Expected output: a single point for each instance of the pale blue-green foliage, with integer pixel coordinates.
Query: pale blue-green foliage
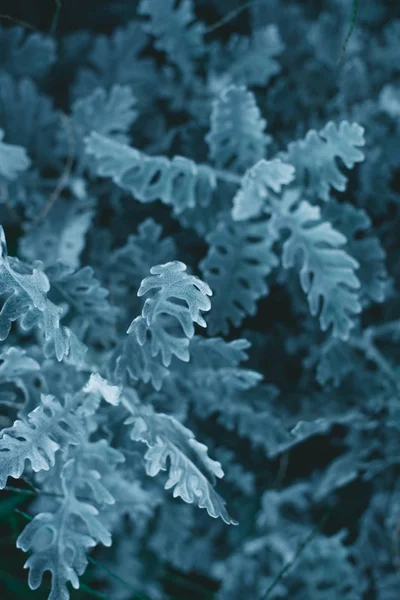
(179, 296)
(13, 159)
(258, 184)
(176, 552)
(26, 55)
(26, 194)
(254, 60)
(213, 379)
(109, 112)
(117, 59)
(363, 245)
(28, 119)
(237, 475)
(81, 289)
(16, 362)
(314, 158)
(335, 360)
(179, 182)
(127, 566)
(47, 429)
(367, 452)
(171, 282)
(333, 576)
(384, 53)
(25, 291)
(19, 369)
(378, 530)
(327, 34)
(177, 32)
(323, 570)
(236, 138)
(156, 335)
(60, 540)
(137, 363)
(239, 259)
(60, 236)
(388, 586)
(327, 272)
(26, 374)
(93, 318)
(259, 417)
(389, 101)
(160, 161)
(171, 446)
(128, 265)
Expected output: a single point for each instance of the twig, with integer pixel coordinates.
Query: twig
(64, 176)
(348, 36)
(37, 492)
(299, 551)
(228, 176)
(282, 470)
(230, 16)
(19, 22)
(56, 18)
(26, 480)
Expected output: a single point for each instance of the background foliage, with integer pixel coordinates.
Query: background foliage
(199, 282)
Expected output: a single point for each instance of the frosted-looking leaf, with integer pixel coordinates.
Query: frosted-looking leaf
(236, 138)
(179, 182)
(254, 58)
(166, 324)
(59, 541)
(236, 267)
(48, 428)
(26, 299)
(181, 297)
(24, 55)
(173, 447)
(176, 31)
(258, 183)
(98, 385)
(314, 158)
(61, 235)
(327, 272)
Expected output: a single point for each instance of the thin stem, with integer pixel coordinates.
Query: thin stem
(65, 174)
(299, 551)
(282, 470)
(26, 480)
(19, 22)
(228, 176)
(56, 17)
(348, 36)
(10, 488)
(231, 15)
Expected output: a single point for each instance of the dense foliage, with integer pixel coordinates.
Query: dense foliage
(199, 300)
